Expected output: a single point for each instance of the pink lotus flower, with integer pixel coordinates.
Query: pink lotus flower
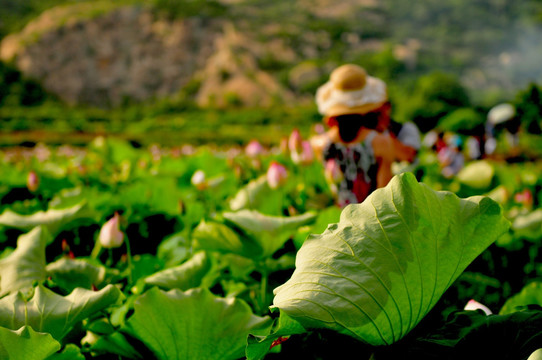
(332, 172)
(254, 148)
(475, 305)
(276, 175)
(32, 181)
(110, 234)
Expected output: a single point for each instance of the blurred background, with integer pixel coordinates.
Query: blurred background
(227, 71)
(169, 121)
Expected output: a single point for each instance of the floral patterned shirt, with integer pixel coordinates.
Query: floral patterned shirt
(358, 164)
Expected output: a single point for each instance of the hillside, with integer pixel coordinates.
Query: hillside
(255, 52)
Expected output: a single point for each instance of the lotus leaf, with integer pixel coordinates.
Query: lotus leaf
(528, 225)
(48, 312)
(531, 294)
(477, 174)
(378, 272)
(270, 232)
(53, 219)
(193, 325)
(72, 273)
(26, 264)
(26, 344)
(185, 276)
(215, 236)
(70, 352)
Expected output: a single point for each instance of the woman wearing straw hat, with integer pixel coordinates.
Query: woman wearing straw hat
(357, 158)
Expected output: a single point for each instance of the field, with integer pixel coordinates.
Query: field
(157, 209)
(193, 253)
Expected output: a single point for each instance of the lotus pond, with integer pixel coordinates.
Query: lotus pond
(112, 251)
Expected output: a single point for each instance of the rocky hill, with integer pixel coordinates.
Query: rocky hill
(106, 55)
(260, 52)
(129, 54)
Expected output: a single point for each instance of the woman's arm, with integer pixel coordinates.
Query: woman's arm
(384, 150)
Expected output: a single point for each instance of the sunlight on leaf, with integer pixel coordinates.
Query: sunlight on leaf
(48, 312)
(69, 274)
(269, 232)
(26, 264)
(185, 276)
(53, 219)
(531, 294)
(379, 271)
(215, 236)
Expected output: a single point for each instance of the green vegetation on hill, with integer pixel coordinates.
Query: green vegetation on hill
(438, 57)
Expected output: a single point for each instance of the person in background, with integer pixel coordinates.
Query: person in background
(450, 157)
(502, 120)
(356, 156)
(406, 136)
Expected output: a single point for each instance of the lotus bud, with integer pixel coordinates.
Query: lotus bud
(475, 305)
(295, 141)
(319, 129)
(199, 180)
(32, 181)
(332, 172)
(110, 234)
(525, 197)
(254, 149)
(276, 175)
(307, 154)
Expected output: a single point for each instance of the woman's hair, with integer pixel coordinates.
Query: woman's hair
(350, 124)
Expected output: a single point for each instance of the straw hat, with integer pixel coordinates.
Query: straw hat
(350, 91)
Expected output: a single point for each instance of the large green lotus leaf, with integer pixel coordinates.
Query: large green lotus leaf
(325, 217)
(215, 236)
(185, 276)
(477, 174)
(69, 274)
(193, 325)
(378, 272)
(26, 264)
(54, 219)
(531, 294)
(26, 344)
(270, 232)
(48, 312)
